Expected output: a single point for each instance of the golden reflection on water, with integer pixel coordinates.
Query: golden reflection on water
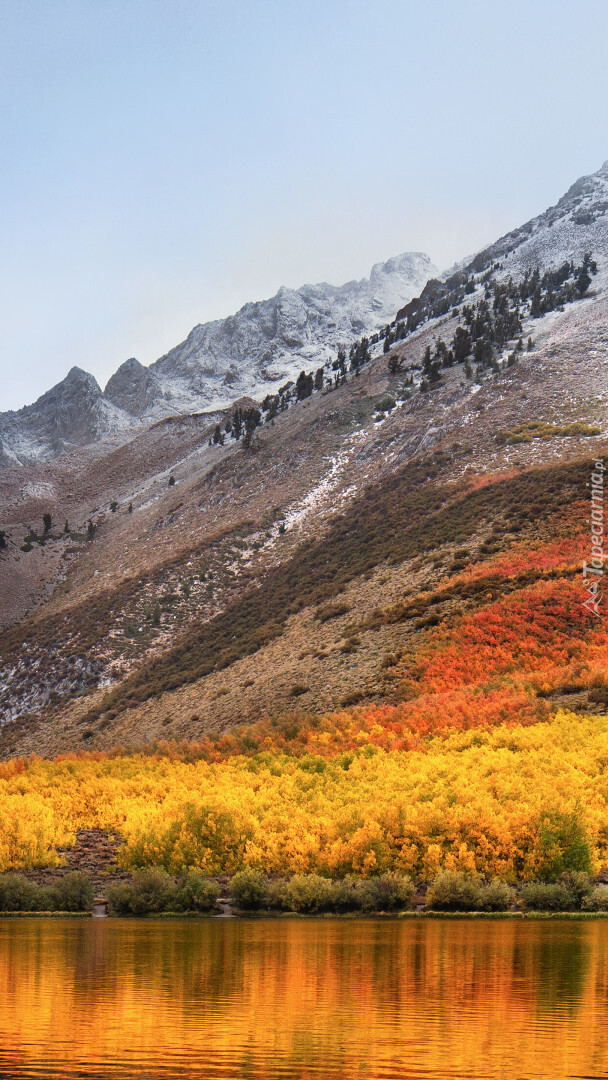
(298, 999)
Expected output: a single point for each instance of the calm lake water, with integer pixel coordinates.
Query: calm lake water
(289, 999)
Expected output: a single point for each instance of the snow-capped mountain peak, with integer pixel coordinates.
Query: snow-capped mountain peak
(264, 343)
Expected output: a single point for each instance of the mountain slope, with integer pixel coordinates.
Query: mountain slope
(247, 354)
(324, 562)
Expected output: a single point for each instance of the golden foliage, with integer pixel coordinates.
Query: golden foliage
(509, 801)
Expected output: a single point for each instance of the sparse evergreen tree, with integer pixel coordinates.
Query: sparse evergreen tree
(461, 345)
(3, 540)
(171, 481)
(47, 521)
(339, 363)
(237, 423)
(251, 419)
(319, 378)
(583, 279)
(114, 506)
(270, 406)
(304, 386)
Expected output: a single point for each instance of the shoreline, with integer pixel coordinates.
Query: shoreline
(385, 915)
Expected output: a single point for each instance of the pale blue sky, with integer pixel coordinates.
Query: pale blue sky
(164, 161)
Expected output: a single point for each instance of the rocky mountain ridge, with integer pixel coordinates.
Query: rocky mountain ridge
(250, 353)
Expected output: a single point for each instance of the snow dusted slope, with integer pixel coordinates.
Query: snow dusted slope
(273, 340)
(265, 343)
(577, 224)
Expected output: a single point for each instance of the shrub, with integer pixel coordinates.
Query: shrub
(74, 892)
(149, 891)
(308, 893)
(345, 895)
(596, 899)
(388, 892)
(248, 889)
(17, 893)
(546, 896)
(276, 895)
(332, 611)
(495, 896)
(578, 883)
(47, 899)
(194, 892)
(452, 891)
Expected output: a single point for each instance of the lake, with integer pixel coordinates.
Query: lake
(279, 998)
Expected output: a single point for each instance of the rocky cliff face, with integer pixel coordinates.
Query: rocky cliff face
(265, 343)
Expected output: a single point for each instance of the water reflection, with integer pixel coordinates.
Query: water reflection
(298, 999)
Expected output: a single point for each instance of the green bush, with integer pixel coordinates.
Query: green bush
(451, 891)
(74, 892)
(248, 889)
(579, 883)
(149, 891)
(276, 895)
(389, 892)
(545, 896)
(194, 892)
(47, 899)
(17, 893)
(596, 899)
(308, 893)
(345, 895)
(495, 896)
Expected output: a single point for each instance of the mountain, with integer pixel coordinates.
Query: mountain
(73, 413)
(404, 538)
(264, 344)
